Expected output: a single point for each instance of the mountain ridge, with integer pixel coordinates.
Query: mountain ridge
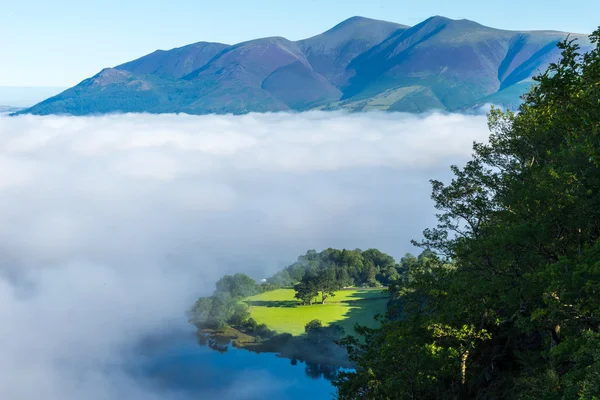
(359, 64)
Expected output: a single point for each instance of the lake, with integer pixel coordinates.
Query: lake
(182, 365)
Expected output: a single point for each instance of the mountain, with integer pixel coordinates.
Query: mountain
(174, 63)
(360, 64)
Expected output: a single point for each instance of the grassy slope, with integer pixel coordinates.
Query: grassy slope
(280, 311)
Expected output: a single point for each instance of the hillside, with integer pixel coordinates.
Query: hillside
(360, 64)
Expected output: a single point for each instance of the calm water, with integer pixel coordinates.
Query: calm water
(184, 366)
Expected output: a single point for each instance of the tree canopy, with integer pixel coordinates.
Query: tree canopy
(224, 305)
(333, 269)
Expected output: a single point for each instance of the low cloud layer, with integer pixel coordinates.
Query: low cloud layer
(111, 226)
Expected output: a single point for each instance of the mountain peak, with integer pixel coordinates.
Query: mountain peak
(332, 51)
(362, 22)
(354, 19)
(440, 19)
(356, 27)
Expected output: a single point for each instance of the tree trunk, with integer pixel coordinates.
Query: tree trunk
(463, 375)
(554, 339)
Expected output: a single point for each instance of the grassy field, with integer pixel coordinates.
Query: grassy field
(280, 311)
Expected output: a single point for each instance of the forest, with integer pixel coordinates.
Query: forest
(508, 305)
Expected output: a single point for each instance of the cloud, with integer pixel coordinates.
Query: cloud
(111, 226)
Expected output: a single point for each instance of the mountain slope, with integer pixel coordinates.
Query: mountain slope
(458, 61)
(257, 72)
(360, 64)
(330, 52)
(174, 63)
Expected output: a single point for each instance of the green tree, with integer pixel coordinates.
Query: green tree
(240, 315)
(238, 285)
(313, 325)
(370, 273)
(201, 310)
(306, 290)
(327, 283)
(222, 309)
(344, 278)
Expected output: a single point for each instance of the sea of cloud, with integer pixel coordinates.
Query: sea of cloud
(111, 226)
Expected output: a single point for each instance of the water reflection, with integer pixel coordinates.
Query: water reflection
(316, 371)
(312, 370)
(208, 368)
(216, 343)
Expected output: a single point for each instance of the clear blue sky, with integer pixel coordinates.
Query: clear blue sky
(61, 42)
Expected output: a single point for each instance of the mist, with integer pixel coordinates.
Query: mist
(111, 226)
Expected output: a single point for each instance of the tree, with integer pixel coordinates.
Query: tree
(306, 290)
(370, 273)
(200, 311)
(240, 315)
(222, 309)
(238, 285)
(344, 278)
(282, 279)
(387, 275)
(313, 325)
(314, 331)
(352, 261)
(327, 283)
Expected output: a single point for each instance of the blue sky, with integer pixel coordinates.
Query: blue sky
(61, 42)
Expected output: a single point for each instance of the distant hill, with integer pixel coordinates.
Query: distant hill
(360, 64)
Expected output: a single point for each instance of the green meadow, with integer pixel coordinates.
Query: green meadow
(280, 311)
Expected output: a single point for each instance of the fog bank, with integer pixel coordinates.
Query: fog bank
(110, 226)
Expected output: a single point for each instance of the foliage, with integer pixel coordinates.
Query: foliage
(505, 304)
(317, 333)
(307, 289)
(327, 283)
(313, 325)
(331, 270)
(238, 285)
(224, 306)
(240, 314)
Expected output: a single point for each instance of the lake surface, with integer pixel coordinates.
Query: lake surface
(182, 365)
